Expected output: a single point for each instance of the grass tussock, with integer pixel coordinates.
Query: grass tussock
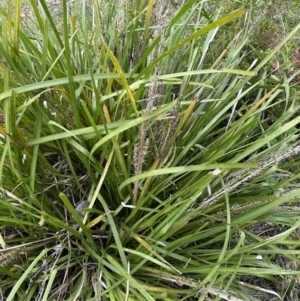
(148, 152)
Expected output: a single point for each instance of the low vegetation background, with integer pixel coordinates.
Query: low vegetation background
(149, 150)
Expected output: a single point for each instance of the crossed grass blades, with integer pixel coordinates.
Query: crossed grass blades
(139, 161)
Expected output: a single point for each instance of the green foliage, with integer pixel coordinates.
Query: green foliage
(139, 161)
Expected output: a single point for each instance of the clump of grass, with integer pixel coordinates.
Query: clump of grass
(134, 165)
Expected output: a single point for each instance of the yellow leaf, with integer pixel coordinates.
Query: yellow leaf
(2, 242)
(95, 221)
